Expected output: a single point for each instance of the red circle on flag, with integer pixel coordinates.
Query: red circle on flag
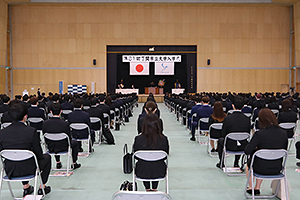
(139, 68)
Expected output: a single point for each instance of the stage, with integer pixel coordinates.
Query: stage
(159, 98)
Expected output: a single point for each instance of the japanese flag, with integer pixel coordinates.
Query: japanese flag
(139, 68)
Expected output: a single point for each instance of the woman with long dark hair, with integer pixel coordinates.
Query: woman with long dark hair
(151, 138)
(270, 136)
(217, 117)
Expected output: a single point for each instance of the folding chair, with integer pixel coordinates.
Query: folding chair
(188, 114)
(82, 127)
(86, 107)
(6, 124)
(236, 137)
(137, 195)
(203, 120)
(34, 122)
(183, 117)
(98, 133)
(230, 112)
(16, 156)
(106, 116)
(287, 126)
(113, 117)
(268, 154)
(275, 111)
(150, 156)
(248, 114)
(55, 137)
(65, 113)
(215, 127)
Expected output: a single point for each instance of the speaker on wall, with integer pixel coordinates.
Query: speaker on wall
(94, 61)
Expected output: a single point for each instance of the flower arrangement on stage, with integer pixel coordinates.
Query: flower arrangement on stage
(161, 83)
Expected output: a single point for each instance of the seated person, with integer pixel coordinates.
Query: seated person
(57, 125)
(5, 117)
(20, 136)
(96, 112)
(150, 107)
(236, 122)
(151, 138)
(80, 116)
(36, 112)
(217, 117)
(4, 107)
(270, 136)
(287, 115)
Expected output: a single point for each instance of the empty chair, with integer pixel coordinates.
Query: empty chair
(56, 137)
(203, 127)
(138, 195)
(290, 128)
(150, 156)
(236, 137)
(268, 155)
(17, 156)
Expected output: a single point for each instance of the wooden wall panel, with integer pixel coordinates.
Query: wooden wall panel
(2, 80)
(3, 31)
(47, 79)
(67, 36)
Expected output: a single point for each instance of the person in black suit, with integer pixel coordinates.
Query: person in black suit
(105, 108)
(4, 107)
(270, 136)
(95, 112)
(57, 125)
(236, 122)
(151, 138)
(66, 105)
(150, 107)
(80, 116)
(20, 136)
(35, 111)
(287, 115)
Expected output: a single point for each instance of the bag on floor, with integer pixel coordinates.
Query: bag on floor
(127, 160)
(126, 118)
(281, 191)
(128, 186)
(117, 127)
(108, 136)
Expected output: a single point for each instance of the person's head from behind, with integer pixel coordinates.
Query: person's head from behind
(34, 100)
(78, 103)
(101, 98)
(18, 112)
(55, 109)
(218, 112)
(150, 107)
(5, 99)
(94, 101)
(266, 118)
(108, 100)
(238, 103)
(205, 99)
(286, 105)
(151, 129)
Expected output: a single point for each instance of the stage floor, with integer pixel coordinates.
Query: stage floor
(159, 98)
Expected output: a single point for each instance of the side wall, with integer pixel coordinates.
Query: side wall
(248, 45)
(3, 41)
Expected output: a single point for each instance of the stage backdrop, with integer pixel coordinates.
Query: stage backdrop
(184, 71)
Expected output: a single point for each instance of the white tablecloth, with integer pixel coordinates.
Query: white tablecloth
(127, 91)
(177, 91)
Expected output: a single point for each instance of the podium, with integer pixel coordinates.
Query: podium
(153, 90)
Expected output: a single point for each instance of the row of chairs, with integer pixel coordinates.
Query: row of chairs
(262, 154)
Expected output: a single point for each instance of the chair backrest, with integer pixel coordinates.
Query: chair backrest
(79, 126)
(56, 136)
(86, 107)
(140, 195)
(270, 154)
(230, 111)
(237, 136)
(35, 119)
(248, 114)
(216, 126)
(6, 124)
(194, 116)
(66, 112)
(287, 125)
(275, 111)
(150, 155)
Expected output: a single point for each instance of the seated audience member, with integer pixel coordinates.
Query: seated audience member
(270, 136)
(95, 112)
(5, 117)
(202, 112)
(194, 110)
(217, 117)
(66, 105)
(151, 138)
(273, 104)
(287, 115)
(236, 122)
(246, 108)
(4, 107)
(57, 125)
(20, 136)
(80, 116)
(150, 107)
(26, 100)
(35, 111)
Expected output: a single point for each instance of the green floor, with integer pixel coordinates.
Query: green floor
(192, 173)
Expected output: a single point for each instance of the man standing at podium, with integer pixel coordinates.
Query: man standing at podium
(177, 84)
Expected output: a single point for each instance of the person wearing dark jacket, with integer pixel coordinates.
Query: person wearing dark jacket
(20, 136)
(151, 138)
(270, 136)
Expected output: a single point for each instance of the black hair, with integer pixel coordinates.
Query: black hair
(55, 108)
(238, 103)
(78, 103)
(18, 111)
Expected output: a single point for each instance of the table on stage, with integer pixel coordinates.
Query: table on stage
(178, 91)
(154, 90)
(127, 91)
